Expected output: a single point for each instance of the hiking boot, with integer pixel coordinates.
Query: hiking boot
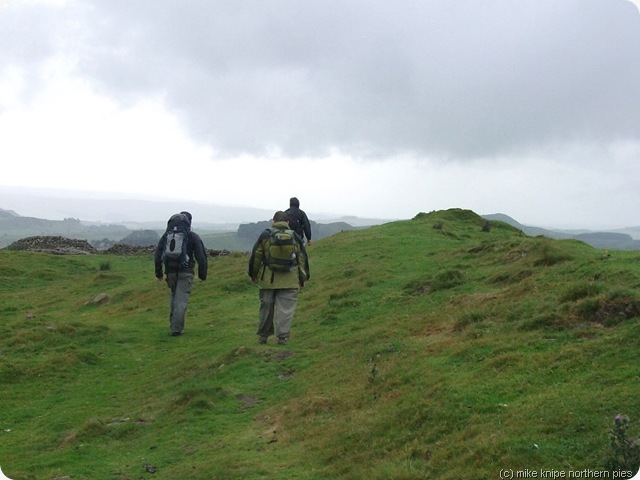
(176, 334)
(262, 340)
(282, 341)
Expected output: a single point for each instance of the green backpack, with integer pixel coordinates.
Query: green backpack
(282, 252)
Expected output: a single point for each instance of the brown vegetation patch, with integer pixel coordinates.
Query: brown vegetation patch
(616, 310)
(474, 298)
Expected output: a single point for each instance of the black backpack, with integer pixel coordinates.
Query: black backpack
(295, 221)
(177, 241)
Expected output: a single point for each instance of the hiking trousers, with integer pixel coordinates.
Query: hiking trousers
(180, 284)
(276, 311)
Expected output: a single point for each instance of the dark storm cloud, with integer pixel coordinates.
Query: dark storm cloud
(440, 78)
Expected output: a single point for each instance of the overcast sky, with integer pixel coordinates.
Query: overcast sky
(359, 107)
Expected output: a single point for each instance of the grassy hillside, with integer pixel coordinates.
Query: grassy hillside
(415, 353)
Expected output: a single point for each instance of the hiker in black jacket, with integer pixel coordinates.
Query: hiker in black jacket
(180, 272)
(298, 220)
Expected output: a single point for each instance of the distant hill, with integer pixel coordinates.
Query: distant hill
(8, 214)
(604, 240)
(240, 236)
(14, 227)
(54, 204)
(144, 213)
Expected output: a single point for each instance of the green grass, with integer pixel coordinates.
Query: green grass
(416, 353)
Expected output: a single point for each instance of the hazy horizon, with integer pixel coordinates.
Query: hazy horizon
(110, 208)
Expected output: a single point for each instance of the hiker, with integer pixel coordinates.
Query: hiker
(298, 220)
(178, 250)
(279, 265)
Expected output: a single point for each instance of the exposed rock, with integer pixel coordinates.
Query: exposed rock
(101, 298)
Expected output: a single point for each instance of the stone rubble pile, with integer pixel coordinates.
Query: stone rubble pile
(123, 249)
(68, 246)
(56, 245)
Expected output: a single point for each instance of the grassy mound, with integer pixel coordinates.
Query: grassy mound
(429, 348)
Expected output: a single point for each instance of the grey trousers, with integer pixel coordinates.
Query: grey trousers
(276, 311)
(180, 285)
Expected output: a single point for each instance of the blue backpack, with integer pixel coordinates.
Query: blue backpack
(177, 240)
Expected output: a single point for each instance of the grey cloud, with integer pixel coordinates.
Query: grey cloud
(452, 79)
(30, 36)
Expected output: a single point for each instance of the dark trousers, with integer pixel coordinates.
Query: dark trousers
(180, 285)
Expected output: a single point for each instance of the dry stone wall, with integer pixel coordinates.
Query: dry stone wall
(56, 245)
(69, 246)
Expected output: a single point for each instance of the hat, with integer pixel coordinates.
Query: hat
(188, 215)
(294, 202)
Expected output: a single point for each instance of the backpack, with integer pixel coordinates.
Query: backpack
(177, 240)
(295, 221)
(282, 252)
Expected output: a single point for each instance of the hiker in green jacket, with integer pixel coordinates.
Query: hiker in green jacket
(279, 266)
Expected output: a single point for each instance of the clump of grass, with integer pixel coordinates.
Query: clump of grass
(580, 291)
(587, 308)
(550, 255)
(447, 279)
(105, 266)
(467, 319)
(510, 277)
(609, 310)
(416, 286)
(553, 321)
(94, 427)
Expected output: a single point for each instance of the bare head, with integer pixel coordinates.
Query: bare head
(280, 216)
